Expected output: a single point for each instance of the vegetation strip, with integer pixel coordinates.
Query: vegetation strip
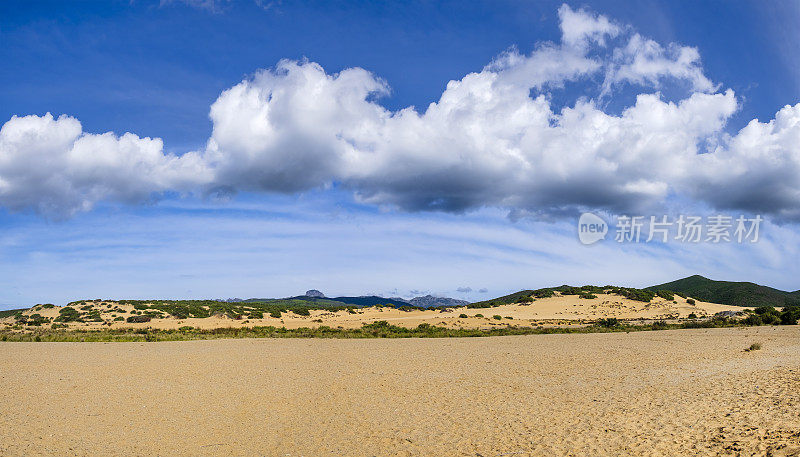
(379, 329)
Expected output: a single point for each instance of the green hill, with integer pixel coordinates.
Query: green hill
(10, 312)
(516, 297)
(730, 293)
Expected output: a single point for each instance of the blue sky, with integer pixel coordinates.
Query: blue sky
(238, 218)
(154, 69)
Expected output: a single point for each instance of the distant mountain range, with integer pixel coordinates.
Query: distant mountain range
(318, 298)
(730, 293)
(430, 301)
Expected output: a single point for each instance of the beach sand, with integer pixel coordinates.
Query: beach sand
(677, 392)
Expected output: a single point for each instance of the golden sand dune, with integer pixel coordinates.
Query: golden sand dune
(677, 393)
(547, 311)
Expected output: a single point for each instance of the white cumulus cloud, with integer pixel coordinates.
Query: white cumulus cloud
(494, 138)
(51, 166)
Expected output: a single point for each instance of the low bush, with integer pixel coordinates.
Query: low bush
(68, 314)
(462, 316)
(542, 293)
(753, 347)
(790, 315)
(569, 290)
(666, 294)
(753, 319)
(610, 322)
(635, 294)
(497, 317)
(138, 319)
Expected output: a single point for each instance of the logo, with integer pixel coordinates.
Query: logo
(591, 228)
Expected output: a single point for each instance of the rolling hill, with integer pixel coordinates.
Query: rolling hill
(730, 293)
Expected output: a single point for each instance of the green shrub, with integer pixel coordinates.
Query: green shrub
(660, 325)
(138, 319)
(610, 322)
(753, 319)
(497, 317)
(479, 315)
(462, 316)
(569, 290)
(587, 296)
(666, 294)
(690, 301)
(634, 294)
(790, 315)
(35, 319)
(275, 313)
(767, 314)
(68, 314)
(692, 316)
(753, 347)
(543, 293)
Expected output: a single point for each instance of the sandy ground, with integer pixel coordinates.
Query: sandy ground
(546, 311)
(678, 392)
